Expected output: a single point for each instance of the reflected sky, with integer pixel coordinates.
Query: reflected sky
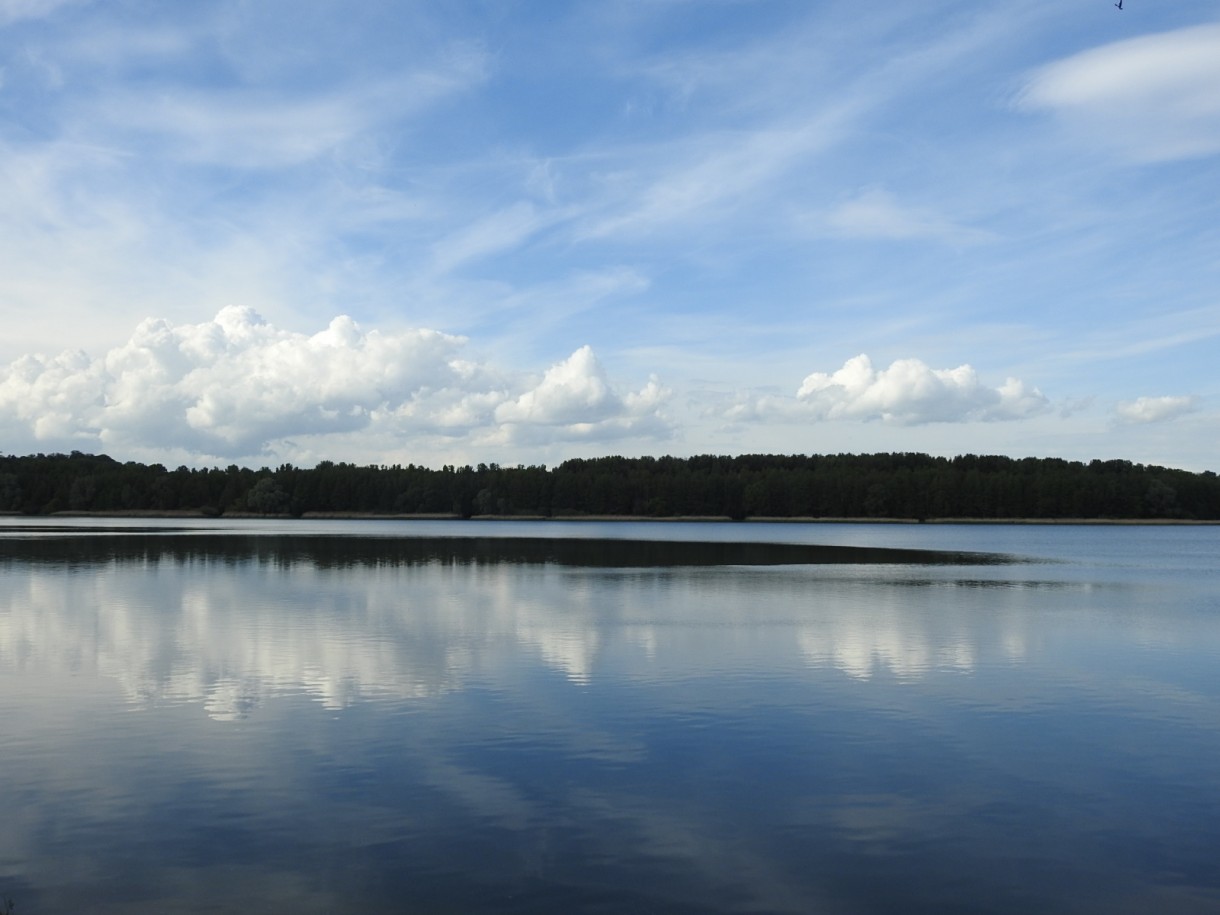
(228, 621)
(286, 726)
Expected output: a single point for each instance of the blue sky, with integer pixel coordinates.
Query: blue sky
(525, 231)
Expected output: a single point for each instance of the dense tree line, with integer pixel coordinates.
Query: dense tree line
(907, 486)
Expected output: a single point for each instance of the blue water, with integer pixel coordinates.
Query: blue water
(377, 717)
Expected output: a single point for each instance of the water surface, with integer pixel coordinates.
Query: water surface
(524, 717)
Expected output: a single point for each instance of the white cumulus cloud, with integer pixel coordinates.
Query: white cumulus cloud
(574, 400)
(1154, 409)
(237, 386)
(1157, 97)
(907, 393)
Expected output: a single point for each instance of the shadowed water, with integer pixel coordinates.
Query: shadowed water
(455, 718)
(56, 545)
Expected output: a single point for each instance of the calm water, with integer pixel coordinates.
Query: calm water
(533, 717)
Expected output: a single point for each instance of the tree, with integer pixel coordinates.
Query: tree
(267, 497)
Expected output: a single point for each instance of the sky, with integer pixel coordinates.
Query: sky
(520, 232)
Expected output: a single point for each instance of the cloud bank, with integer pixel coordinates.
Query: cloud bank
(237, 386)
(907, 393)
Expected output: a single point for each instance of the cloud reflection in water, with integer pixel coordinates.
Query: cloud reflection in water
(511, 727)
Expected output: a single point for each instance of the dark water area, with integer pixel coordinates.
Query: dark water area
(454, 717)
(56, 546)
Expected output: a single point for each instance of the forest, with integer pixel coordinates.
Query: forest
(907, 486)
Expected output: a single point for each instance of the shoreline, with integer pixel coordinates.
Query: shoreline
(701, 519)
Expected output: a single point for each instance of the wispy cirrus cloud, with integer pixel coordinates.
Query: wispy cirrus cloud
(246, 128)
(220, 189)
(1155, 97)
(497, 232)
(714, 176)
(875, 213)
(17, 10)
(777, 112)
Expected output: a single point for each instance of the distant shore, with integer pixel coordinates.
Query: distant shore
(369, 516)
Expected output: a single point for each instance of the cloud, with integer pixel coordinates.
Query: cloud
(875, 214)
(501, 231)
(906, 393)
(240, 130)
(1154, 409)
(1156, 97)
(237, 386)
(574, 400)
(707, 179)
(267, 129)
(16, 10)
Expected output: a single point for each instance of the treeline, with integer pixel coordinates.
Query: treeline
(906, 486)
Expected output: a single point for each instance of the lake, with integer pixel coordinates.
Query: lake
(469, 717)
